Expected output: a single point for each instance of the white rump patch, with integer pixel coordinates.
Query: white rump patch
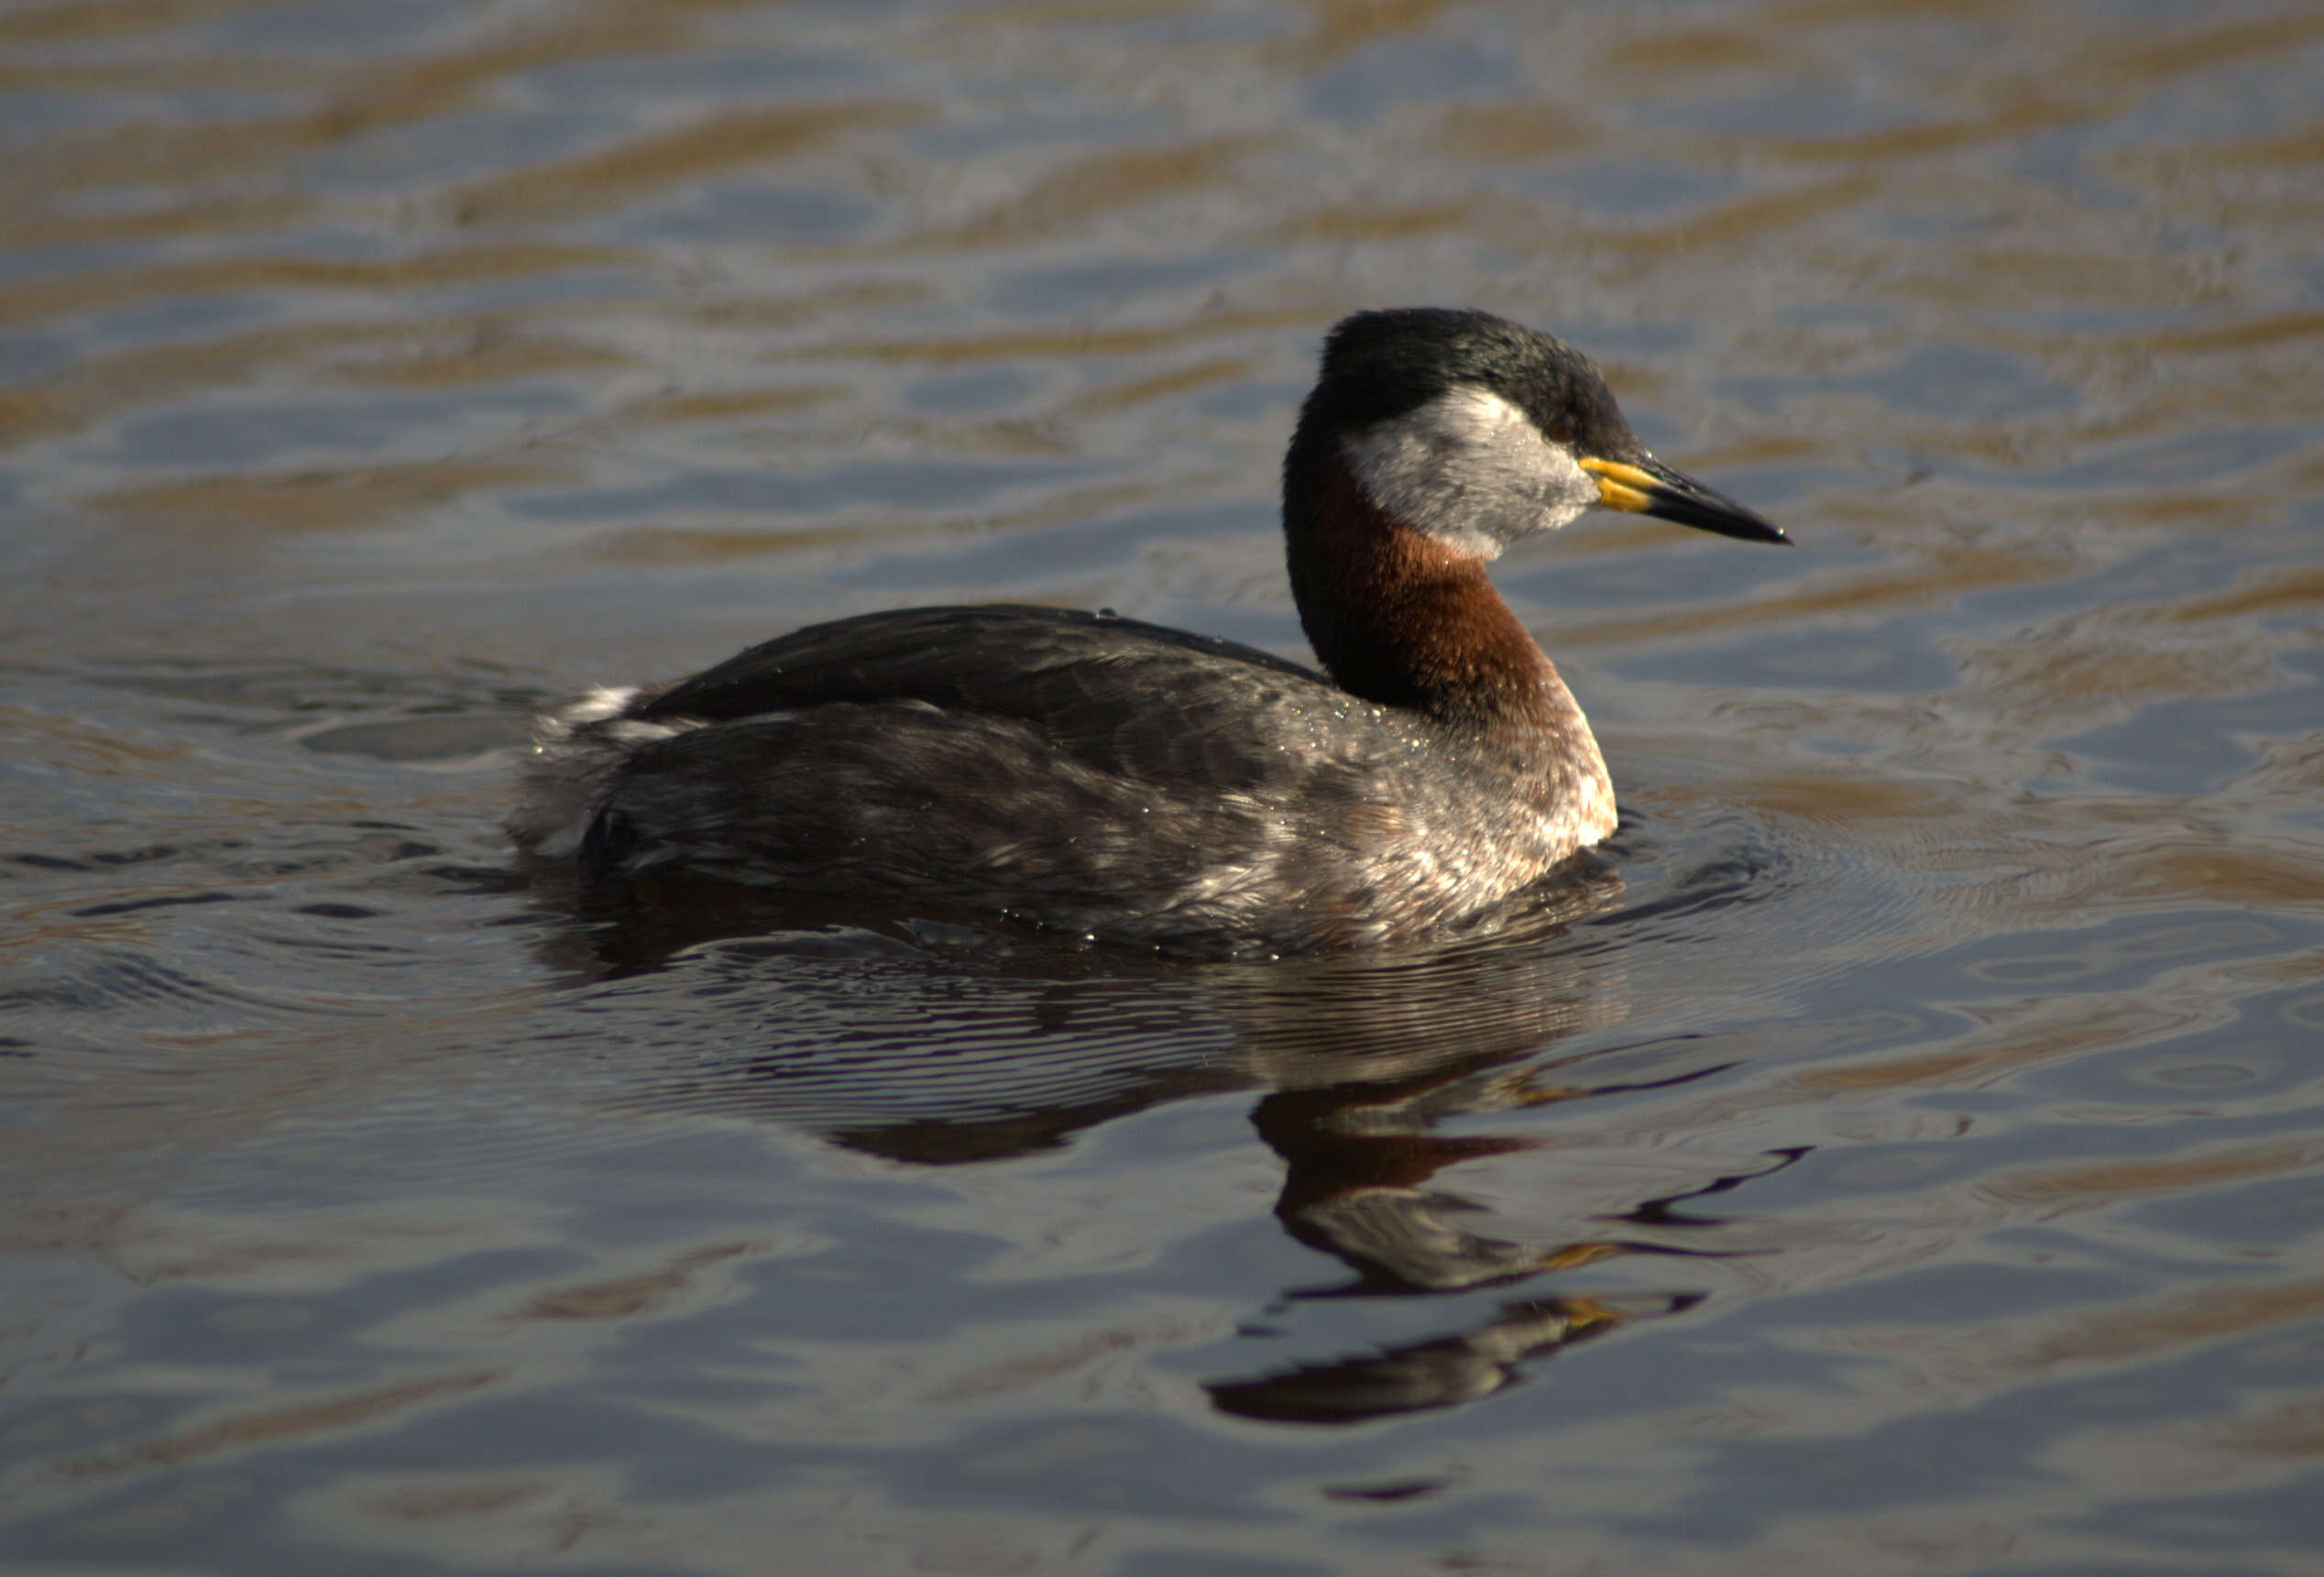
(1470, 470)
(575, 749)
(595, 706)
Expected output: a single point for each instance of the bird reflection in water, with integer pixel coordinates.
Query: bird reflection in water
(934, 1044)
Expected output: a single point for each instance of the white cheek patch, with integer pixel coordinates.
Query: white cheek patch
(1469, 469)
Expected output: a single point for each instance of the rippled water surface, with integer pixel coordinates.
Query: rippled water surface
(1906, 1156)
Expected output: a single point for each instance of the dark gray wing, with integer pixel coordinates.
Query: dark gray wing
(983, 658)
(1121, 694)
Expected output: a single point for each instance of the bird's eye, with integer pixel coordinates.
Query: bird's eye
(1559, 430)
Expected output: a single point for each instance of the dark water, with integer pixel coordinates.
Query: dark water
(1906, 1156)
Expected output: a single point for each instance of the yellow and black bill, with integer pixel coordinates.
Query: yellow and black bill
(1647, 486)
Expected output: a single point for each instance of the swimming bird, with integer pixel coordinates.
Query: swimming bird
(1137, 784)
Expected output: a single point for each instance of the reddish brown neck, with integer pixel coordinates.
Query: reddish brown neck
(1400, 618)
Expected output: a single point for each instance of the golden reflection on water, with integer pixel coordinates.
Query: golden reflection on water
(519, 341)
(312, 501)
(275, 1425)
(646, 164)
(350, 106)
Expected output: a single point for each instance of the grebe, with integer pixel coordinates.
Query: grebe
(1137, 784)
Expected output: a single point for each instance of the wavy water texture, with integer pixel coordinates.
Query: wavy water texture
(1899, 1153)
